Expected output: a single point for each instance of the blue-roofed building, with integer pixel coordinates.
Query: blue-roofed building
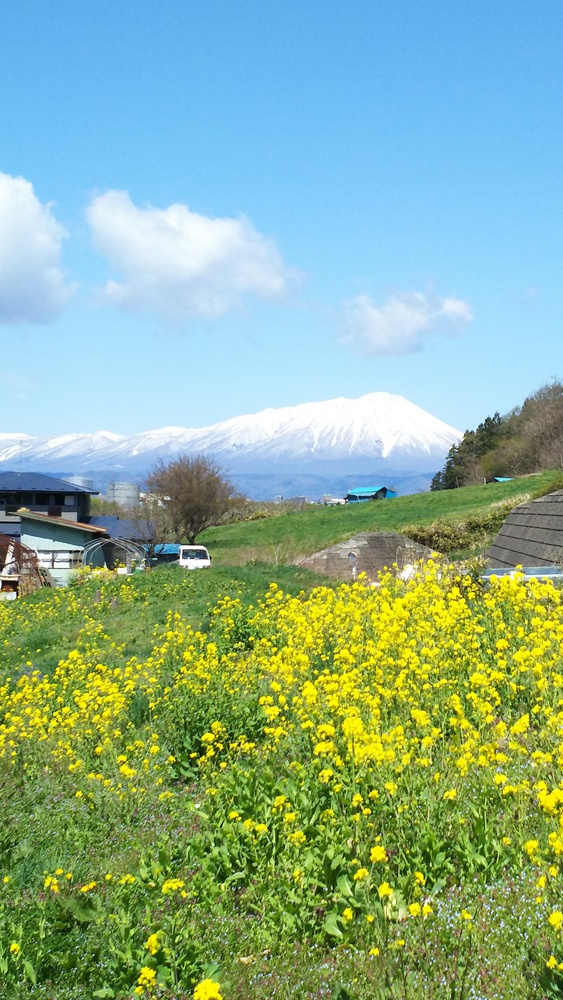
(42, 495)
(166, 552)
(369, 493)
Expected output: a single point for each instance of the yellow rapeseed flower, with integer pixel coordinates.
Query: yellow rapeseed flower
(207, 990)
(384, 890)
(378, 853)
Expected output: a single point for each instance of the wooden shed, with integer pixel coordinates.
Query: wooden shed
(532, 534)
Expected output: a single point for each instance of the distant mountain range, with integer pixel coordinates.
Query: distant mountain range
(310, 449)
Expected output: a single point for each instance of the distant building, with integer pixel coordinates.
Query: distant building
(84, 481)
(369, 493)
(124, 494)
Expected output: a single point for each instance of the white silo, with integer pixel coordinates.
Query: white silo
(87, 484)
(124, 494)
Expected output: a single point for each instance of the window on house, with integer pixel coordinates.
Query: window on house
(60, 558)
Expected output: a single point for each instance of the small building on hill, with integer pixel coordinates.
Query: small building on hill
(369, 493)
(368, 552)
(532, 534)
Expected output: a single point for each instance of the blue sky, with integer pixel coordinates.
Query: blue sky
(209, 208)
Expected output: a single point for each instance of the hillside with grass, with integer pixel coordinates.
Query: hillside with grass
(458, 522)
(526, 440)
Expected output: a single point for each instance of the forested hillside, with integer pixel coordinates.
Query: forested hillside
(528, 439)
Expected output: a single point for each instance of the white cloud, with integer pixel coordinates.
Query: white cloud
(400, 325)
(32, 288)
(178, 264)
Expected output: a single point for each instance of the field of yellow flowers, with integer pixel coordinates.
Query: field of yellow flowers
(347, 793)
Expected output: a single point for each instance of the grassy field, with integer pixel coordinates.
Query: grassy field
(285, 538)
(213, 787)
(245, 783)
(51, 621)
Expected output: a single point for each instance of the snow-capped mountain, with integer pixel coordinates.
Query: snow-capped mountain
(379, 434)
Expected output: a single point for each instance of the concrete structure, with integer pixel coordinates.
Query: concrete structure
(367, 552)
(532, 534)
(58, 543)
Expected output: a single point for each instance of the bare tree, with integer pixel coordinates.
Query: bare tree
(195, 493)
(152, 523)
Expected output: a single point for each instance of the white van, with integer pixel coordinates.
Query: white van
(194, 557)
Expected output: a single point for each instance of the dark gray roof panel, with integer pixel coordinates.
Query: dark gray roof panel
(36, 482)
(10, 528)
(532, 534)
(123, 527)
(554, 497)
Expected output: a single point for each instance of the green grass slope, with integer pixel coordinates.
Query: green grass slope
(39, 630)
(287, 537)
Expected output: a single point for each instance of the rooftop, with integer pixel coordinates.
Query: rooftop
(369, 489)
(36, 482)
(61, 522)
(532, 534)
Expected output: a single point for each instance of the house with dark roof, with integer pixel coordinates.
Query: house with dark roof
(43, 495)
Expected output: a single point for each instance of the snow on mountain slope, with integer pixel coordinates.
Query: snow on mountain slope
(20, 448)
(384, 430)
(378, 424)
